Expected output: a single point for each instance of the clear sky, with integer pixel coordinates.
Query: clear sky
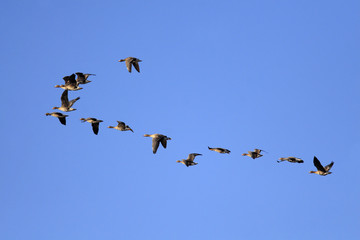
(282, 76)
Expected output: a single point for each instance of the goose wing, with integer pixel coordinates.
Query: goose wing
(121, 125)
(192, 156)
(155, 144)
(86, 75)
(73, 101)
(72, 80)
(163, 141)
(128, 64)
(65, 99)
(328, 167)
(257, 150)
(66, 79)
(80, 77)
(95, 127)
(62, 120)
(128, 127)
(318, 165)
(136, 65)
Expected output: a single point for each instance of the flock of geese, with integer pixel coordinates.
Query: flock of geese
(73, 82)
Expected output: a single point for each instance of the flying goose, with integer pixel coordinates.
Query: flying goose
(66, 106)
(156, 139)
(82, 77)
(129, 61)
(94, 123)
(60, 116)
(291, 159)
(121, 127)
(220, 150)
(190, 160)
(323, 171)
(254, 154)
(70, 83)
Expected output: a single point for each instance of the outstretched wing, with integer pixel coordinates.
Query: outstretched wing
(128, 127)
(80, 75)
(328, 167)
(66, 79)
(155, 144)
(64, 99)
(95, 127)
(73, 101)
(86, 75)
(121, 125)
(192, 156)
(163, 141)
(72, 79)
(318, 165)
(128, 64)
(62, 120)
(136, 65)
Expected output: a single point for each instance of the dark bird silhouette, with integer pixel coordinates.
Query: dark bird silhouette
(323, 171)
(220, 150)
(156, 140)
(254, 154)
(82, 77)
(190, 160)
(291, 159)
(66, 105)
(60, 116)
(94, 123)
(70, 83)
(121, 127)
(131, 61)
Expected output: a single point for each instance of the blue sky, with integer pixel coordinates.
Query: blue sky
(277, 75)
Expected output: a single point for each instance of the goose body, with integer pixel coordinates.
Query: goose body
(60, 116)
(131, 61)
(82, 77)
(157, 139)
(121, 127)
(70, 83)
(220, 150)
(323, 171)
(254, 154)
(66, 105)
(291, 159)
(190, 160)
(94, 123)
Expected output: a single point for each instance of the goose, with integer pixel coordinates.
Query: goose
(254, 154)
(82, 77)
(121, 127)
(129, 61)
(94, 123)
(291, 159)
(60, 116)
(66, 106)
(156, 139)
(323, 171)
(190, 160)
(220, 150)
(70, 83)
